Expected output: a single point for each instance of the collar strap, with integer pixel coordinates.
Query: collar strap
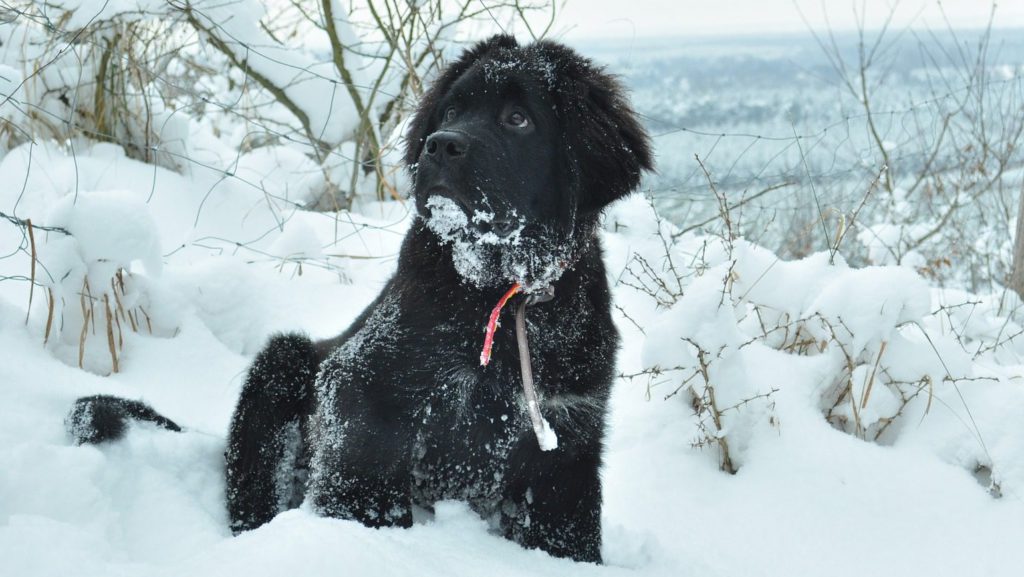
(546, 437)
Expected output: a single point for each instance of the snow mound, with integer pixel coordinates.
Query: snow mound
(110, 230)
(98, 260)
(751, 342)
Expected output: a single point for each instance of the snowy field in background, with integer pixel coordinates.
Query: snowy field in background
(939, 493)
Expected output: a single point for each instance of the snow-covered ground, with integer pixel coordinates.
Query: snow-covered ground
(888, 483)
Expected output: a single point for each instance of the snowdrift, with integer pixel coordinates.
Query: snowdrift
(871, 422)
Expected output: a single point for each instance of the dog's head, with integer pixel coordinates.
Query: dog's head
(514, 152)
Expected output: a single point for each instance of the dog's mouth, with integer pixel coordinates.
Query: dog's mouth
(487, 223)
(489, 250)
(451, 219)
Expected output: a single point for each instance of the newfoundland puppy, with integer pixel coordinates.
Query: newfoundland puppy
(514, 152)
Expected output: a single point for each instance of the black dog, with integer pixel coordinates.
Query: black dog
(515, 150)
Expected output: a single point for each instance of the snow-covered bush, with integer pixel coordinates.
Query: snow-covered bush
(749, 341)
(333, 80)
(98, 266)
(106, 72)
(175, 245)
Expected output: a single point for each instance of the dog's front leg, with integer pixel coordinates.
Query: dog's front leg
(362, 439)
(554, 502)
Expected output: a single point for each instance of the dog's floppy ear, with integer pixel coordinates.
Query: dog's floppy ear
(424, 121)
(609, 148)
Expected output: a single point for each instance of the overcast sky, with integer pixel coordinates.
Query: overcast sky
(589, 19)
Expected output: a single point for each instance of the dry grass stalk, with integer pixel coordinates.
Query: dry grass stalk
(88, 298)
(149, 324)
(858, 424)
(32, 279)
(86, 311)
(114, 311)
(49, 315)
(110, 333)
(866, 393)
(120, 312)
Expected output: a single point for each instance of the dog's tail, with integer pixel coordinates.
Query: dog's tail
(102, 418)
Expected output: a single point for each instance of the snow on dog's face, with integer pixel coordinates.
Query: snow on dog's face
(514, 151)
(485, 257)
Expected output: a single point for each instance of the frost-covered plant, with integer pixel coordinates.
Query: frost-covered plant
(934, 116)
(868, 322)
(694, 348)
(336, 79)
(732, 319)
(949, 168)
(109, 75)
(97, 263)
(697, 346)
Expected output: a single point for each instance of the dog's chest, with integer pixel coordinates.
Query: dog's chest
(467, 433)
(472, 427)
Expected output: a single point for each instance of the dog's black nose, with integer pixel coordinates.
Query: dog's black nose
(447, 145)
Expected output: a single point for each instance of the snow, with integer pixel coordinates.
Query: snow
(873, 420)
(547, 438)
(805, 496)
(470, 248)
(81, 13)
(481, 255)
(10, 90)
(111, 230)
(312, 84)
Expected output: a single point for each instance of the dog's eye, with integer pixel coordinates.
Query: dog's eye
(518, 119)
(449, 114)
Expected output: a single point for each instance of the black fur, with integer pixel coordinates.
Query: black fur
(265, 456)
(101, 418)
(397, 411)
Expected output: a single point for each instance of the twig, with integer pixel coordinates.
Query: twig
(34, 256)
